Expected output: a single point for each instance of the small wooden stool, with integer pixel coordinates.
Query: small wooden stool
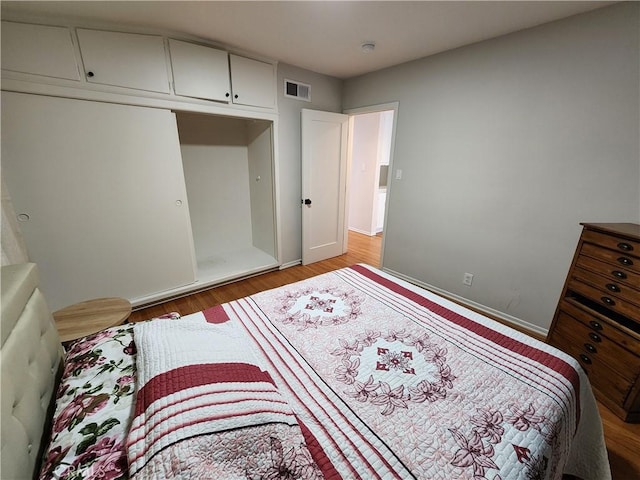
(85, 318)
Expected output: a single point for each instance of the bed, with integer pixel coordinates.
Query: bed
(349, 374)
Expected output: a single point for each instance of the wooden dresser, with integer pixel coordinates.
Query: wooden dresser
(598, 316)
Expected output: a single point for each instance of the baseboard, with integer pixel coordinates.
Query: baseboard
(510, 320)
(363, 232)
(291, 264)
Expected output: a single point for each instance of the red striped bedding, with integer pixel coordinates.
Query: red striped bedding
(356, 374)
(200, 390)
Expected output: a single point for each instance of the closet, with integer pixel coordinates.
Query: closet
(229, 179)
(140, 165)
(99, 193)
(136, 202)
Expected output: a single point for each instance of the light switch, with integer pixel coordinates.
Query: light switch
(398, 174)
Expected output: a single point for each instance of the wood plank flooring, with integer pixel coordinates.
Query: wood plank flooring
(623, 439)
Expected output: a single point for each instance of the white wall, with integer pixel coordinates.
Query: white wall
(216, 169)
(505, 146)
(363, 180)
(326, 94)
(261, 186)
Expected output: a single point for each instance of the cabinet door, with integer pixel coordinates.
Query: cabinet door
(199, 71)
(39, 50)
(124, 60)
(253, 82)
(101, 194)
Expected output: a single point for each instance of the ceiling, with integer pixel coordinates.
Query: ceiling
(323, 36)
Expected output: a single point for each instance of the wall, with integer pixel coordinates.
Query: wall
(505, 146)
(215, 159)
(261, 186)
(326, 94)
(363, 180)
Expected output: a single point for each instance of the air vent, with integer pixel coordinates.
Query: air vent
(301, 91)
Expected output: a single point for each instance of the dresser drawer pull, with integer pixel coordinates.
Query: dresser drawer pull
(625, 246)
(625, 261)
(590, 348)
(619, 274)
(608, 301)
(612, 287)
(595, 325)
(585, 359)
(595, 337)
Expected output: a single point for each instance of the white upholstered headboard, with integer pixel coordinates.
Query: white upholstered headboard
(30, 358)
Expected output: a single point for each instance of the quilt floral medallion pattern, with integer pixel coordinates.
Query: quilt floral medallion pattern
(374, 361)
(311, 308)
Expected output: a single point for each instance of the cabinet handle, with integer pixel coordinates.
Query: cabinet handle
(619, 274)
(590, 348)
(612, 287)
(227, 94)
(595, 337)
(235, 96)
(595, 325)
(625, 261)
(625, 246)
(585, 359)
(608, 301)
(90, 74)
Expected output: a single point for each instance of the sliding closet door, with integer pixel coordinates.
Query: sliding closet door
(99, 191)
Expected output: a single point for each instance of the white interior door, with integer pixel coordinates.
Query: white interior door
(324, 181)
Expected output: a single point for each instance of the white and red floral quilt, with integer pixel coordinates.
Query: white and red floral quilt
(353, 374)
(388, 381)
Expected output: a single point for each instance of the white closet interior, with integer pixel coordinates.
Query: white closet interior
(228, 169)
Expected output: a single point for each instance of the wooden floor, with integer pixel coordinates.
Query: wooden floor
(623, 439)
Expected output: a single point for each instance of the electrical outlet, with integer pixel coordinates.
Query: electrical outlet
(467, 279)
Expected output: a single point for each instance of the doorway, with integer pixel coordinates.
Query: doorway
(370, 148)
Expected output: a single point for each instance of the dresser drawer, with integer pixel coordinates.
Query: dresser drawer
(607, 382)
(593, 349)
(620, 245)
(617, 258)
(614, 273)
(606, 299)
(607, 286)
(599, 328)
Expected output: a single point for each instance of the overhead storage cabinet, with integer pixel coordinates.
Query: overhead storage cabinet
(39, 50)
(137, 62)
(126, 60)
(253, 82)
(200, 71)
